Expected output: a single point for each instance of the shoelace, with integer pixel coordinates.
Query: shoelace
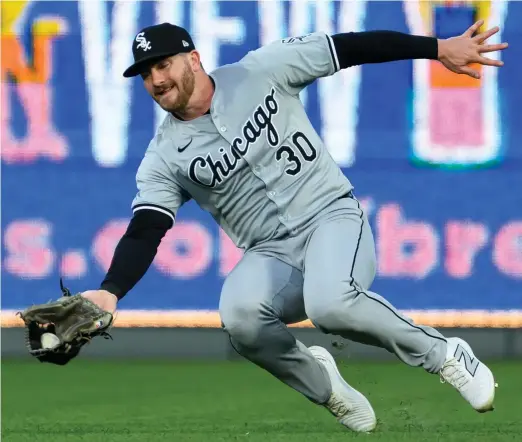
(453, 373)
(337, 406)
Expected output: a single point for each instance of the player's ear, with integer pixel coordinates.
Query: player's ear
(195, 61)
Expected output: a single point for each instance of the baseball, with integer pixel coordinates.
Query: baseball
(49, 340)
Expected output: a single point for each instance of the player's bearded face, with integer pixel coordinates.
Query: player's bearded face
(171, 83)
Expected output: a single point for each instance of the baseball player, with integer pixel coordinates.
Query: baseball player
(238, 142)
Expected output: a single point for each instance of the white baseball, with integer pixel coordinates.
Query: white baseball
(49, 340)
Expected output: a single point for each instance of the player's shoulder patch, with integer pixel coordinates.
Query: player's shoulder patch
(300, 38)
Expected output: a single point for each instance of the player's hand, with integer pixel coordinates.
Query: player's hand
(103, 299)
(457, 53)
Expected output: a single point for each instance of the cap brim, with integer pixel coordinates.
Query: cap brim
(137, 68)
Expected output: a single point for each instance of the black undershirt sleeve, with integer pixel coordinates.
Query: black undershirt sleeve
(355, 48)
(136, 251)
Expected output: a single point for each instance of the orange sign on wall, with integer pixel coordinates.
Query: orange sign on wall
(455, 117)
(28, 76)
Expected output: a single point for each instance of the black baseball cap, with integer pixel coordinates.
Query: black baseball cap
(156, 42)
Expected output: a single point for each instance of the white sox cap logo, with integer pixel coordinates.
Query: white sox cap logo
(143, 43)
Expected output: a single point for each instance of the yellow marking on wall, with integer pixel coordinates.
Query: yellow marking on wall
(211, 319)
(14, 59)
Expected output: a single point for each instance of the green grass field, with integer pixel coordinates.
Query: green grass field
(150, 401)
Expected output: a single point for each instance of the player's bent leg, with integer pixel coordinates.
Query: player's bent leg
(339, 265)
(258, 295)
(339, 268)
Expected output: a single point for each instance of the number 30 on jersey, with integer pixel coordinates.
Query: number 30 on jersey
(301, 150)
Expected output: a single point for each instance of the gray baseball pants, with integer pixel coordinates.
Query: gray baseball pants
(323, 273)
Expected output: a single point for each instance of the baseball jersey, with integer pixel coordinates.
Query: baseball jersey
(255, 162)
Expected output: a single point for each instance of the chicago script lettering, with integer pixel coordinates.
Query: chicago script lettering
(252, 130)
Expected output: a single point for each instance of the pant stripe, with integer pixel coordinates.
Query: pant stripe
(377, 300)
(358, 239)
(400, 317)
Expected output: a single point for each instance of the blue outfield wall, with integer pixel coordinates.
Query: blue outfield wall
(436, 159)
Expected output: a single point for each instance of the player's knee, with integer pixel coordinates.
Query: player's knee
(243, 321)
(334, 312)
(323, 317)
(335, 318)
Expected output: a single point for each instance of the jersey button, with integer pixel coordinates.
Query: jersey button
(223, 129)
(271, 193)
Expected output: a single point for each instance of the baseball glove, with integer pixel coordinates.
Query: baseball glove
(72, 318)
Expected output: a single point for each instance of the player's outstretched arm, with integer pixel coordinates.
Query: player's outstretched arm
(154, 207)
(57, 331)
(456, 53)
(132, 257)
(357, 48)
(296, 62)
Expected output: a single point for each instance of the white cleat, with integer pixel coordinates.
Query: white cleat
(349, 406)
(468, 375)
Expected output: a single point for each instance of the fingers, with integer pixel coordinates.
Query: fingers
(485, 35)
(489, 62)
(492, 48)
(470, 72)
(474, 28)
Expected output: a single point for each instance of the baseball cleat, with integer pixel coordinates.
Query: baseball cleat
(474, 380)
(349, 406)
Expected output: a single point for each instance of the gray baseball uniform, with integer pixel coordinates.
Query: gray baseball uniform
(257, 165)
